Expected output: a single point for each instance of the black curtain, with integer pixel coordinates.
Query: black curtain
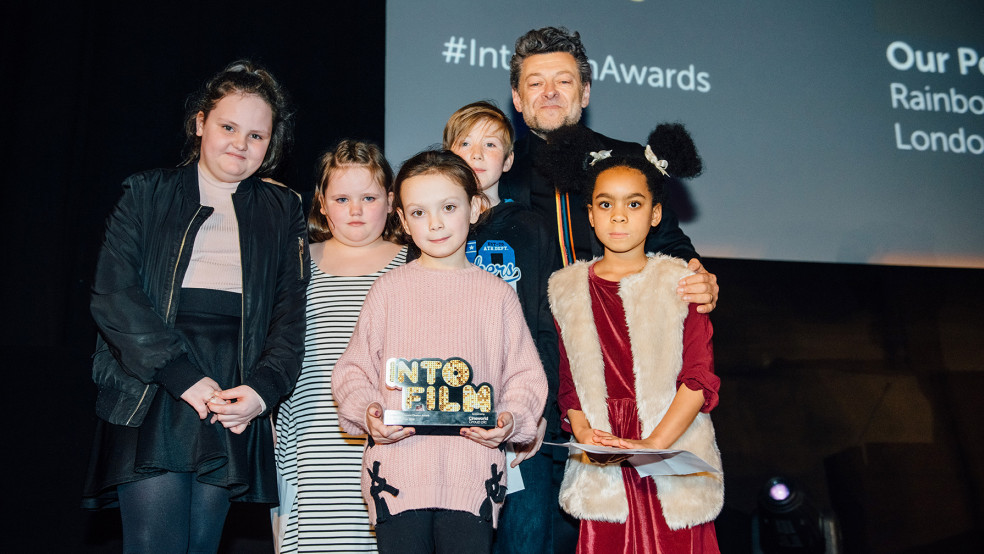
(93, 93)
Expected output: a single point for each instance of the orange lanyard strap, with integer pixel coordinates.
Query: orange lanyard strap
(564, 233)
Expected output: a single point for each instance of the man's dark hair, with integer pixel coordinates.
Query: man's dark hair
(546, 41)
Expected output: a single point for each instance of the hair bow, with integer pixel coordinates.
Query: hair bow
(661, 165)
(599, 155)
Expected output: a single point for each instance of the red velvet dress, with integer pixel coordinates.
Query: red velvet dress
(645, 529)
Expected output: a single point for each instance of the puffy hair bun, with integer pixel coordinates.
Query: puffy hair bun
(672, 142)
(564, 161)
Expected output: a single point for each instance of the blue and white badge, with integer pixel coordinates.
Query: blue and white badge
(496, 257)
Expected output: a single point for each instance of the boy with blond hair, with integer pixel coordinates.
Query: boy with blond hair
(514, 244)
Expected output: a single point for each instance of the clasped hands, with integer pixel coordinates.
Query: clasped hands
(234, 408)
(604, 438)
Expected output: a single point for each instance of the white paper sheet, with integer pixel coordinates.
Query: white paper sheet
(514, 478)
(650, 462)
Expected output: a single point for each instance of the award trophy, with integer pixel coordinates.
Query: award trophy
(438, 393)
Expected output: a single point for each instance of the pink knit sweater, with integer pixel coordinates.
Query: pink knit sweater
(414, 312)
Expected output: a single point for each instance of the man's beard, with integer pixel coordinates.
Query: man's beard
(542, 132)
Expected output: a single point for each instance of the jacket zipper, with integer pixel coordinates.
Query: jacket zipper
(300, 256)
(174, 273)
(242, 330)
(242, 309)
(170, 300)
(137, 409)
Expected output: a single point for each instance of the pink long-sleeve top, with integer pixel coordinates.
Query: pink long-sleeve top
(414, 312)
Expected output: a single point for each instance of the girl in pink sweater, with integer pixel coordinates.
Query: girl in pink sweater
(429, 492)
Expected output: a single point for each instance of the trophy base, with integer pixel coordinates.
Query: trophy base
(439, 419)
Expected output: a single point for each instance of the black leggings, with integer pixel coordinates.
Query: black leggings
(173, 512)
(433, 530)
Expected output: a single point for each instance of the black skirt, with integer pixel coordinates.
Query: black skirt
(172, 438)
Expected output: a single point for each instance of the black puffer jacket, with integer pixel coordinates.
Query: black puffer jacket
(135, 294)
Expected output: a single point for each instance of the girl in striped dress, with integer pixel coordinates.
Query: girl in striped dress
(354, 238)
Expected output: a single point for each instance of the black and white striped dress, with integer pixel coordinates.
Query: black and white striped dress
(318, 466)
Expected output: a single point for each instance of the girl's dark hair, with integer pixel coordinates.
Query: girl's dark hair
(241, 77)
(348, 154)
(567, 161)
(446, 163)
(564, 161)
(668, 141)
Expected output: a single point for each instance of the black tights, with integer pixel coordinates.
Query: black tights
(173, 512)
(432, 530)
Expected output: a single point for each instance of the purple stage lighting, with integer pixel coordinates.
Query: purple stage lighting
(779, 492)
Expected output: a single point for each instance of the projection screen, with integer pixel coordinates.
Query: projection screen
(839, 131)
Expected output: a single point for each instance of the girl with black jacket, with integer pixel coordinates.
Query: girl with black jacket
(199, 300)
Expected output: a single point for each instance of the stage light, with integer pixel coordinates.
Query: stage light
(785, 522)
(779, 491)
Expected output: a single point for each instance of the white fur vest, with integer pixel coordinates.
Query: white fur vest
(654, 314)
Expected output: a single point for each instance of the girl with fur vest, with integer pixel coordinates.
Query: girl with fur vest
(637, 367)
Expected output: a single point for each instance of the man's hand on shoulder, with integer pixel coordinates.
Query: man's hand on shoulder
(699, 288)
